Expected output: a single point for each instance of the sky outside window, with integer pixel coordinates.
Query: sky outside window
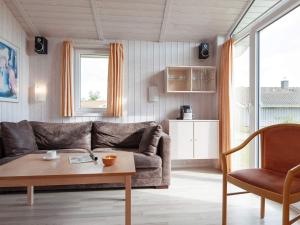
(280, 51)
(93, 80)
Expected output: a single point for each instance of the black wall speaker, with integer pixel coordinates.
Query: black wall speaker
(41, 45)
(203, 50)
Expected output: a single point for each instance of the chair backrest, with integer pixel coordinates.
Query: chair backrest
(280, 147)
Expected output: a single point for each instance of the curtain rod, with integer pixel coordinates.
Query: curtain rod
(90, 43)
(241, 18)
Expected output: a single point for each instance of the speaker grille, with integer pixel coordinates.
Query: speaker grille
(203, 51)
(40, 46)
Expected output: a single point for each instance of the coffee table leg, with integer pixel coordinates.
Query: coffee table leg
(30, 195)
(128, 200)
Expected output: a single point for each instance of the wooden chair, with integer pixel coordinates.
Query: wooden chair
(278, 179)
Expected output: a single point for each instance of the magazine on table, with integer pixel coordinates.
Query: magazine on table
(80, 159)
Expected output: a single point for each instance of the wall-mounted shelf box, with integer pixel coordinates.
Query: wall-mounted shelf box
(190, 79)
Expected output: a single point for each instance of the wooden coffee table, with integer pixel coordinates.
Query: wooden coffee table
(31, 170)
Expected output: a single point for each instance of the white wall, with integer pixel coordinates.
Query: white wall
(11, 31)
(144, 66)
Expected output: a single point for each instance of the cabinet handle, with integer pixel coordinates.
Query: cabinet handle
(191, 139)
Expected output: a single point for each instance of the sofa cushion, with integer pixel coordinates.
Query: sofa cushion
(150, 140)
(141, 161)
(72, 150)
(62, 135)
(1, 148)
(115, 149)
(18, 138)
(119, 135)
(8, 159)
(1, 145)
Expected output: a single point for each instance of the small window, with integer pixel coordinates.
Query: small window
(91, 74)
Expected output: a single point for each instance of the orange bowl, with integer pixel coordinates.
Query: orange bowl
(109, 160)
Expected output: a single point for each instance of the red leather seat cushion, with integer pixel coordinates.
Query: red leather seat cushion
(266, 179)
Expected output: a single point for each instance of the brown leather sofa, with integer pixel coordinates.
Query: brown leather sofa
(152, 171)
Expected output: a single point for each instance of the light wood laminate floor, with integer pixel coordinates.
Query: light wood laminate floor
(193, 198)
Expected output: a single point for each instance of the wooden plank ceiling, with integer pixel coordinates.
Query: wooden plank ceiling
(154, 20)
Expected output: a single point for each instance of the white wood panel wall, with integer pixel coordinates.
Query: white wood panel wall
(144, 66)
(11, 31)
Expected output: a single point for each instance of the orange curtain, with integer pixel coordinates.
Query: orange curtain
(66, 79)
(224, 98)
(115, 80)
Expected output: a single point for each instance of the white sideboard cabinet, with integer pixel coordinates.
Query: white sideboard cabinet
(194, 139)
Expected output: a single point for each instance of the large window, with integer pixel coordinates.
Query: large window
(240, 107)
(266, 77)
(91, 74)
(279, 71)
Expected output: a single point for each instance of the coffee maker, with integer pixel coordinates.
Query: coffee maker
(186, 112)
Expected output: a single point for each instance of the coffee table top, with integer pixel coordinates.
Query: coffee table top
(34, 165)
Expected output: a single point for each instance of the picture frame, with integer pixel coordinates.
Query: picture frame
(9, 72)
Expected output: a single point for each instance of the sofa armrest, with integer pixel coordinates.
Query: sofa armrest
(164, 152)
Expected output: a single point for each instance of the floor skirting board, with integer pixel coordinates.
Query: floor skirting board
(194, 163)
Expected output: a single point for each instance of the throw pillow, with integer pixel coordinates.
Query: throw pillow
(150, 139)
(18, 138)
(118, 135)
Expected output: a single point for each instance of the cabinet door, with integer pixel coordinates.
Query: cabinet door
(181, 134)
(206, 140)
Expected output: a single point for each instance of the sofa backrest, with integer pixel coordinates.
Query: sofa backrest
(62, 135)
(1, 148)
(87, 135)
(118, 135)
(1, 145)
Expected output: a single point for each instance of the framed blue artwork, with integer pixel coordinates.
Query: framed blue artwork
(9, 72)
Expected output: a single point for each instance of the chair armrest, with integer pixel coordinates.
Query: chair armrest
(241, 146)
(164, 151)
(289, 179)
(236, 149)
(295, 170)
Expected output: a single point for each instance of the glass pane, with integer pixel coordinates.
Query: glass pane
(257, 9)
(204, 79)
(179, 79)
(93, 81)
(241, 102)
(279, 71)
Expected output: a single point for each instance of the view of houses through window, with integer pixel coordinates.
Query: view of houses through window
(279, 71)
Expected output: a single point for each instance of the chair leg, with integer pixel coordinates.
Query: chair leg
(262, 207)
(224, 202)
(285, 212)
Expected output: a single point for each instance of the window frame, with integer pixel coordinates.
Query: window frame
(78, 111)
(272, 16)
(251, 158)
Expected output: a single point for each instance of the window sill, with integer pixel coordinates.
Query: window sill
(87, 114)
